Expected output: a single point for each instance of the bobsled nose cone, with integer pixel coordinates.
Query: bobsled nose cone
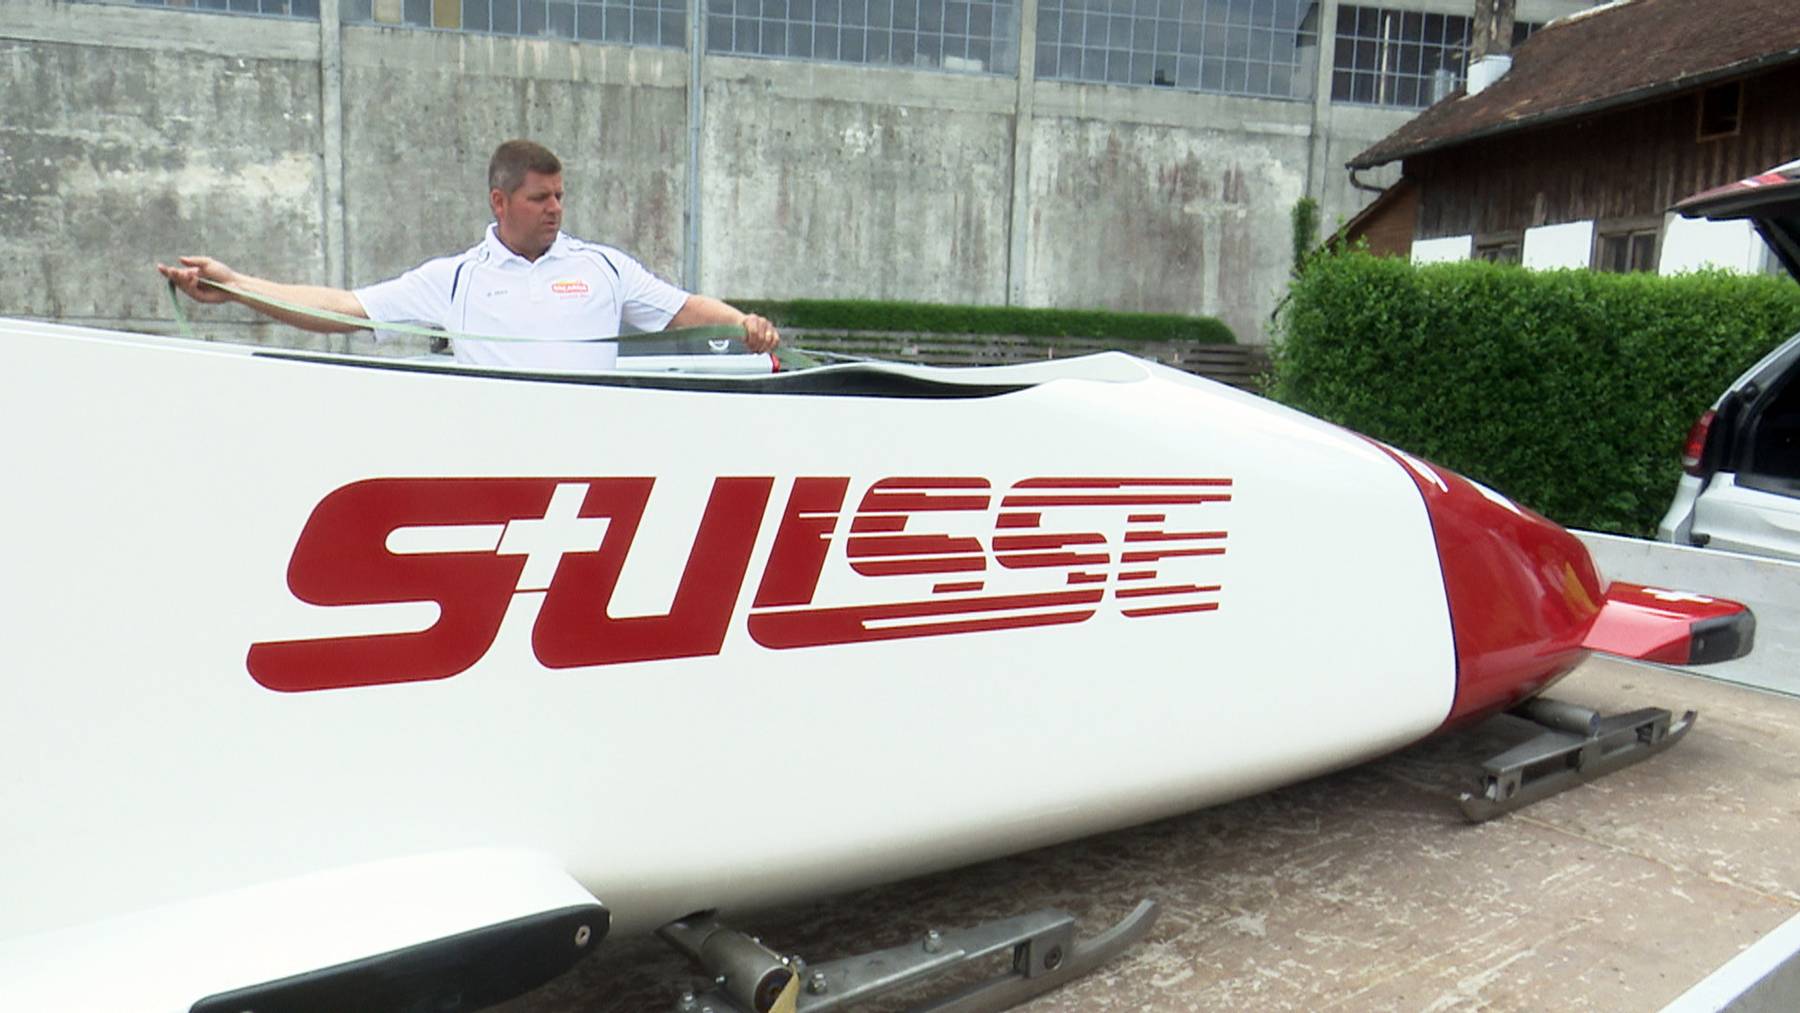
(1521, 591)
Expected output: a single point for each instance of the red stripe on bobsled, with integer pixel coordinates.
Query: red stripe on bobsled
(1151, 556)
(853, 624)
(1145, 592)
(1169, 610)
(1116, 483)
(1105, 499)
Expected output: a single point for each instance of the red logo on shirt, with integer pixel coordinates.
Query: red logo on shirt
(569, 288)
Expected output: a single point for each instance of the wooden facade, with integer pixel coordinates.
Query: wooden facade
(1386, 226)
(1624, 166)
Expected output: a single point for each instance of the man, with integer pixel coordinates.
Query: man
(526, 279)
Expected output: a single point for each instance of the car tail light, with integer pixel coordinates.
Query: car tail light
(1696, 445)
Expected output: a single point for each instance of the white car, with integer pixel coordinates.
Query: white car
(1741, 489)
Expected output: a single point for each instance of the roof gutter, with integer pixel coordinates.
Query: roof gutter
(1360, 185)
(1588, 108)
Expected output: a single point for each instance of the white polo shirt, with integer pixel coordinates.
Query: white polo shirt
(575, 290)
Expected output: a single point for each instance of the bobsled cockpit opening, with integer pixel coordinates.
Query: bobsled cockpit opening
(851, 380)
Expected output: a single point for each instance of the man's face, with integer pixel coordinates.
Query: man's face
(529, 217)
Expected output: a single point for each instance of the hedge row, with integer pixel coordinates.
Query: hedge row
(1571, 391)
(931, 318)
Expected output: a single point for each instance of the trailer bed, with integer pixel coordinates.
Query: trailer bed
(1365, 890)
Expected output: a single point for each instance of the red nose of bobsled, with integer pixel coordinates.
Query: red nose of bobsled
(1527, 603)
(1522, 591)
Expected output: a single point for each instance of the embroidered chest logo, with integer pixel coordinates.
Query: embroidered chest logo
(569, 288)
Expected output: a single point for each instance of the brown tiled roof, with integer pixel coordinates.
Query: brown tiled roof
(1611, 56)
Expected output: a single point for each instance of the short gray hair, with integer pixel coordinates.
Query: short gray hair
(513, 159)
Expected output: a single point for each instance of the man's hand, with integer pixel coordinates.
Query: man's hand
(700, 310)
(760, 334)
(187, 278)
(193, 270)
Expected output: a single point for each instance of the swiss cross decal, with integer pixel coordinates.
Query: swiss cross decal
(912, 557)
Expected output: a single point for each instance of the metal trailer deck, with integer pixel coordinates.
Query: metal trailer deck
(1365, 890)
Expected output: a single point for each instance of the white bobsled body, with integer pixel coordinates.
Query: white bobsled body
(933, 700)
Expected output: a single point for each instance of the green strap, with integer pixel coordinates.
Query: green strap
(787, 357)
(181, 322)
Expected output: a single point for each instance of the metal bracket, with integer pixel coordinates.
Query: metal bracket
(1044, 954)
(1576, 746)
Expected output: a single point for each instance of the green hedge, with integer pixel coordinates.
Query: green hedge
(931, 318)
(1571, 391)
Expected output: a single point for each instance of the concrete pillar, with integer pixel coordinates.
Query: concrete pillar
(331, 149)
(1018, 247)
(696, 112)
(1321, 109)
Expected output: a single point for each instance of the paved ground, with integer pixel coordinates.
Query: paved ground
(1365, 890)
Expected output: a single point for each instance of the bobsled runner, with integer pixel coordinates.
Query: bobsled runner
(338, 683)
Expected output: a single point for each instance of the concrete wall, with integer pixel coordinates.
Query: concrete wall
(424, 109)
(345, 154)
(822, 181)
(165, 140)
(1146, 200)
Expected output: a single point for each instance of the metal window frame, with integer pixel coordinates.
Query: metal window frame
(1737, 115)
(658, 24)
(1192, 45)
(1627, 229)
(1513, 239)
(957, 36)
(1371, 41)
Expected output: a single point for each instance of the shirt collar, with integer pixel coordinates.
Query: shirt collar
(503, 253)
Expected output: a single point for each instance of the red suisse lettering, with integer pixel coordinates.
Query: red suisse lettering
(342, 559)
(792, 574)
(882, 544)
(570, 538)
(573, 627)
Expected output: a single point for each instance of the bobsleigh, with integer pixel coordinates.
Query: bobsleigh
(347, 683)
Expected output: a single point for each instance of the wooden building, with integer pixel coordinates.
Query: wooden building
(1603, 119)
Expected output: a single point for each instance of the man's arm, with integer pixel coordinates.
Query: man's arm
(336, 300)
(759, 333)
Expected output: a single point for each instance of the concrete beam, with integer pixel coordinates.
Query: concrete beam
(495, 56)
(885, 86)
(1168, 107)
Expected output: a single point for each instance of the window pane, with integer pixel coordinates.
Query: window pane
(1400, 51)
(505, 17)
